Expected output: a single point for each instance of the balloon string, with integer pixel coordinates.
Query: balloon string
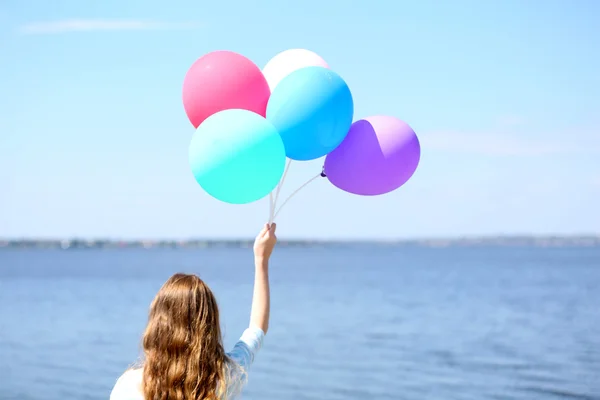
(271, 205)
(274, 202)
(296, 191)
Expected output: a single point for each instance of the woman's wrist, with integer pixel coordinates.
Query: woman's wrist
(261, 261)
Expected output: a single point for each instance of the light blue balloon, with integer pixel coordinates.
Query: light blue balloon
(237, 156)
(312, 108)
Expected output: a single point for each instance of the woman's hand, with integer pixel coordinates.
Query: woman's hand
(265, 243)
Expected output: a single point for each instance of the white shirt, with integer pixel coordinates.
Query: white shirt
(129, 385)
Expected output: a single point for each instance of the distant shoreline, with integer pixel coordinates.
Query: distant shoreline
(489, 241)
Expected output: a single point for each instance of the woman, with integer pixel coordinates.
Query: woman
(184, 357)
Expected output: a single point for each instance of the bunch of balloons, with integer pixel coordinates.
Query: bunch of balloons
(249, 122)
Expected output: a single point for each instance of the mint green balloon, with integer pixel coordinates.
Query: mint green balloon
(237, 156)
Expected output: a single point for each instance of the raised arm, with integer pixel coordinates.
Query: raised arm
(251, 340)
(261, 299)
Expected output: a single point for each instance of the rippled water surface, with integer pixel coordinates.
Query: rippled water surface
(347, 323)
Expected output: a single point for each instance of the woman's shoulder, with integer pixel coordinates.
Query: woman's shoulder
(128, 386)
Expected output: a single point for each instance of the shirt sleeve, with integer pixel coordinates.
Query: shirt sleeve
(128, 386)
(247, 346)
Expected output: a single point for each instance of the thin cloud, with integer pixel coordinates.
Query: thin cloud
(95, 25)
(505, 144)
(510, 120)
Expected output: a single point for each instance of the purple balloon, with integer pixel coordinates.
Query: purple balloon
(378, 155)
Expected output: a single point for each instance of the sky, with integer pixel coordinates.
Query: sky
(504, 97)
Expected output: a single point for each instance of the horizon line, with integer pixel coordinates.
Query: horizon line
(302, 239)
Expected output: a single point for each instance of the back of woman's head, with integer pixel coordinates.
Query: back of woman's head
(184, 355)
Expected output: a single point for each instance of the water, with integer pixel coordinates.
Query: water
(347, 323)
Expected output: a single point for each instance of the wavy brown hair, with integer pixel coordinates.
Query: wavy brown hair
(184, 357)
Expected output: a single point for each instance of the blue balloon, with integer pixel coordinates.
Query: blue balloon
(312, 108)
(237, 156)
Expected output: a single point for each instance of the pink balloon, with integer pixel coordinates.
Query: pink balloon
(223, 80)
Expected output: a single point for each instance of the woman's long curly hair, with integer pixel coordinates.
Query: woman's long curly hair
(184, 357)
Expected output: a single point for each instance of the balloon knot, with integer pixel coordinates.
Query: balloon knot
(323, 175)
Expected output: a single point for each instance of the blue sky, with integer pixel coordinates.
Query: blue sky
(505, 98)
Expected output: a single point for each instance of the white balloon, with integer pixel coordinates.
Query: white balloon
(289, 61)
